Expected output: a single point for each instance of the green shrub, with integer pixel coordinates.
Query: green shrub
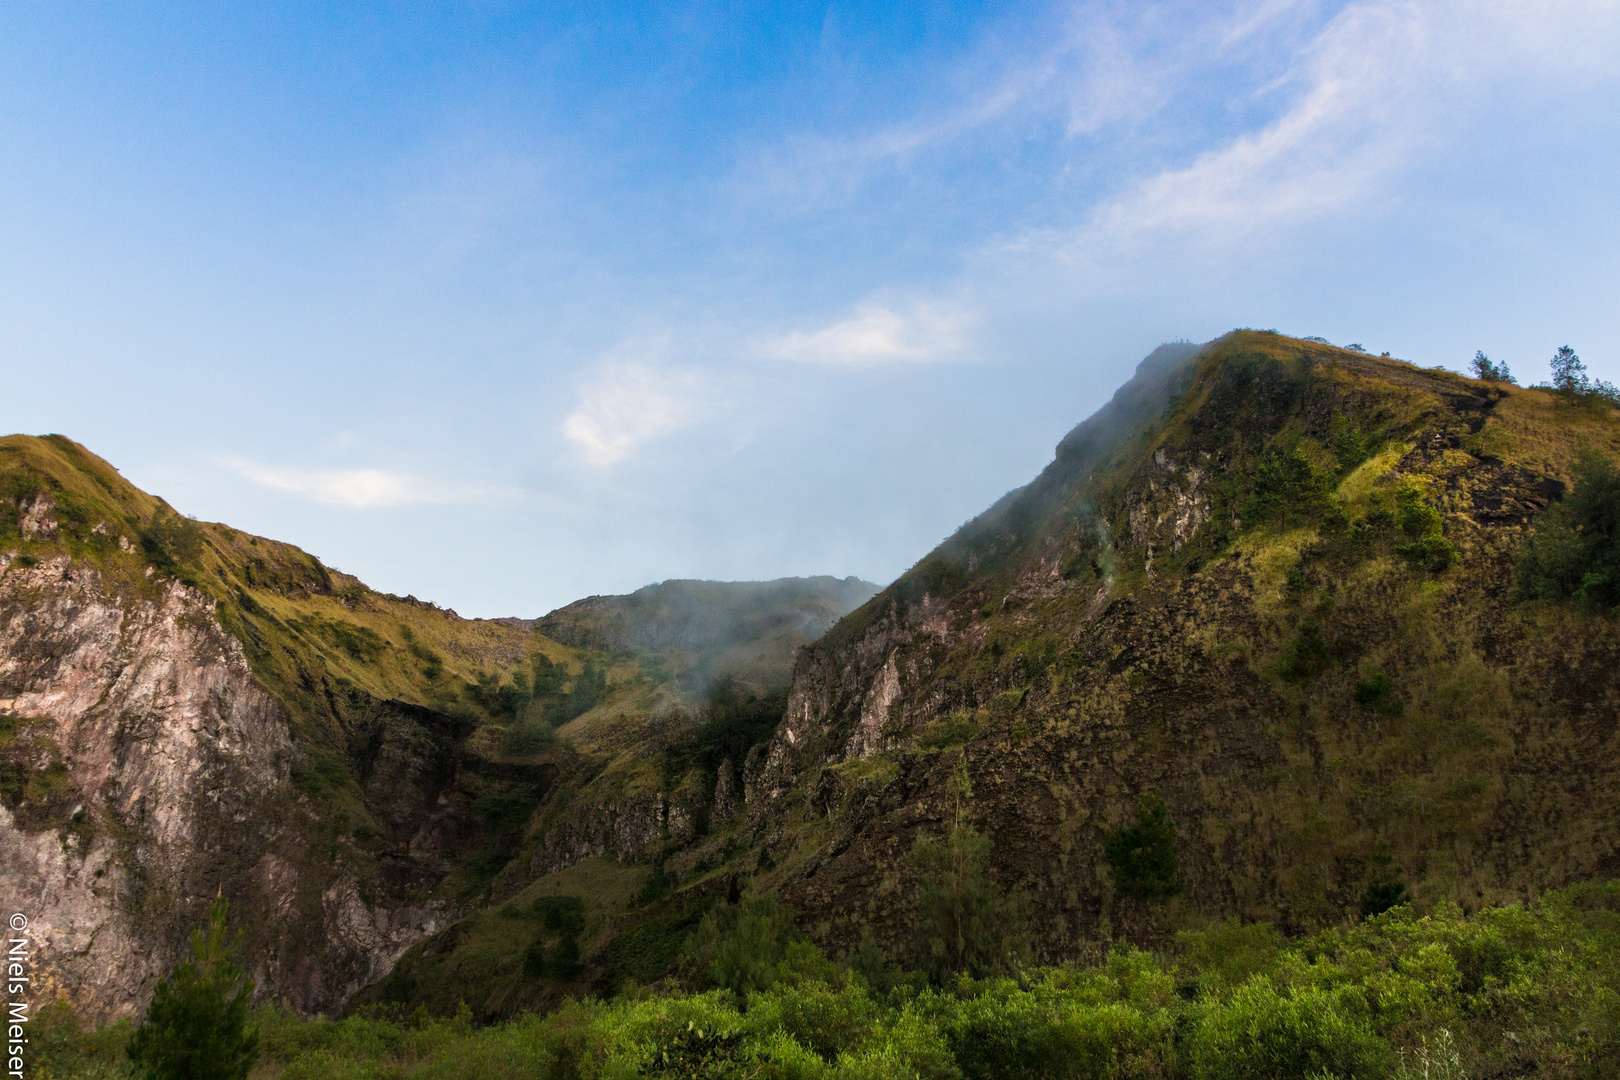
(1385, 889)
(749, 947)
(1265, 1032)
(359, 642)
(529, 736)
(1143, 854)
(196, 1025)
(1229, 953)
(1421, 523)
(1349, 445)
(432, 662)
(948, 732)
(1575, 552)
(1432, 553)
(1375, 692)
(563, 917)
(826, 1019)
(172, 541)
(966, 923)
(912, 1046)
(1516, 991)
(1005, 1032)
(59, 1046)
(1308, 656)
(497, 698)
(1287, 488)
(589, 687)
(322, 774)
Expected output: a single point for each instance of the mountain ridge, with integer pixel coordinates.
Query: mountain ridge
(1271, 583)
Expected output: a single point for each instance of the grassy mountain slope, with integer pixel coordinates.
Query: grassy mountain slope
(351, 666)
(1273, 581)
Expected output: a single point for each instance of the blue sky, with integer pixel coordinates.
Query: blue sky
(502, 305)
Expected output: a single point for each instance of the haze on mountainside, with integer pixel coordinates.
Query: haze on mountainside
(1287, 637)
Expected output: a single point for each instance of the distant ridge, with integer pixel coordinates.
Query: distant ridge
(717, 626)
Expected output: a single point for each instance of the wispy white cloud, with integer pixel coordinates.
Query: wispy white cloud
(1098, 64)
(877, 334)
(365, 489)
(1377, 89)
(628, 402)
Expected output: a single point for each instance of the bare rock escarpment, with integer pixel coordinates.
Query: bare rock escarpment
(142, 770)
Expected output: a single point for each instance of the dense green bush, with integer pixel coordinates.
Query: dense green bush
(1575, 552)
(1309, 655)
(1143, 854)
(196, 1026)
(1266, 1032)
(1385, 889)
(589, 687)
(1060, 1031)
(1375, 692)
(1228, 954)
(824, 1018)
(1421, 523)
(750, 946)
(172, 541)
(530, 735)
(1529, 991)
(1286, 489)
(966, 923)
(563, 918)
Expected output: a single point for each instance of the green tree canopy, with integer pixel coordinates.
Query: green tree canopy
(1143, 855)
(196, 1026)
(1575, 552)
(1490, 371)
(966, 923)
(1570, 379)
(1288, 488)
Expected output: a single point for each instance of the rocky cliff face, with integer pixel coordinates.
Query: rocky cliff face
(144, 769)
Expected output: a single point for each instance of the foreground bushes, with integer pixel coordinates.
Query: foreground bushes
(1507, 992)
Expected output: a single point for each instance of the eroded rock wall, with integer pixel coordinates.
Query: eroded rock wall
(144, 770)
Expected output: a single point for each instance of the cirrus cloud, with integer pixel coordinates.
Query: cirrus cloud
(627, 403)
(364, 489)
(875, 334)
(1383, 87)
